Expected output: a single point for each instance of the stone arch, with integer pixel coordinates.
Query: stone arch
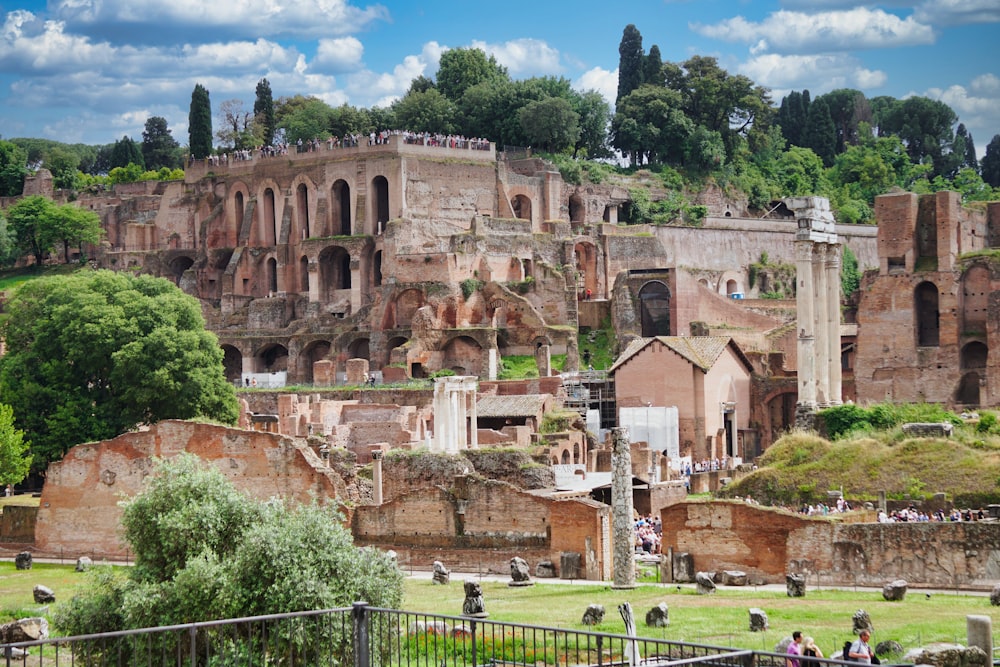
(269, 215)
(304, 274)
(239, 206)
(232, 363)
(586, 269)
(392, 344)
(464, 355)
(968, 389)
(576, 452)
(577, 209)
(178, 265)
(317, 350)
(654, 307)
(380, 204)
(408, 302)
(521, 206)
(928, 318)
(555, 460)
(272, 275)
(301, 212)
(340, 208)
(565, 457)
(778, 416)
(359, 348)
(271, 358)
(975, 356)
(334, 271)
(704, 282)
(732, 287)
(975, 299)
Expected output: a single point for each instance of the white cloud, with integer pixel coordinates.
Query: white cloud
(531, 57)
(247, 17)
(28, 43)
(242, 56)
(979, 112)
(818, 73)
(957, 12)
(857, 28)
(342, 54)
(371, 88)
(987, 85)
(601, 80)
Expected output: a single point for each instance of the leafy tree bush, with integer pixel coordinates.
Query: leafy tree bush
(205, 551)
(15, 459)
(94, 354)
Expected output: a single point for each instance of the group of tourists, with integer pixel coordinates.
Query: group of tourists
(822, 509)
(801, 649)
(912, 514)
(648, 534)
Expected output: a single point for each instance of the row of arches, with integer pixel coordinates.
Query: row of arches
(308, 214)
(462, 354)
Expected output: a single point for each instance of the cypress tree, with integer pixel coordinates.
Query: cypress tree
(990, 166)
(263, 111)
(820, 133)
(126, 152)
(652, 67)
(630, 62)
(200, 123)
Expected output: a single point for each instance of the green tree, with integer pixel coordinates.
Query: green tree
(74, 226)
(848, 109)
(199, 123)
(159, 148)
(13, 169)
(460, 69)
(263, 112)
(850, 275)
(95, 354)
(925, 127)
(595, 115)
(650, 125)
(304, 118)
(126, 152)
(550, 123)
(630, 62)
(29, 223)
(426, 111)
(15, 458)
(965, 148)
(62, 164)
(990, 164)
(800, 172)
(792, 116)
(652, 67)
(820, 132)
(206, 551)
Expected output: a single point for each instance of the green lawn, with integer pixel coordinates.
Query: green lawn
(722, 618)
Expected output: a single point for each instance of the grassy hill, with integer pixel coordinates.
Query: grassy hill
(801, 467)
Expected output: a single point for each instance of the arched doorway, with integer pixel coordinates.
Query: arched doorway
(302, 207)
(232, 362)
(360, 348)
(925, 308)
(407, 304)
(464, 355)
(380, 201)
(577, 210)
(272, 275)
(304, 274)
(318, 350)
(178, 266)
(654, 305)
(521, 205)
(340, 205)
(334, 271)
(392, 344)
(377, 268)
(240, 207)
(269, 233)
(272, 359)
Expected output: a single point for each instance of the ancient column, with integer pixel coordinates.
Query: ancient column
(835, 397)
(454, 408)
(377, 476)
(806, 346)
(622, 509)
(822, 343)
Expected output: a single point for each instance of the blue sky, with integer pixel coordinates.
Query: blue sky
(93, 70)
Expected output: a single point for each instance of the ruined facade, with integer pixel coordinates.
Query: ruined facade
(928, 317)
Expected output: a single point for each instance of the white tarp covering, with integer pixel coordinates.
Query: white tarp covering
(654, 425)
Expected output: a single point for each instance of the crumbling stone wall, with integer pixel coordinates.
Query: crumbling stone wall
(79, 510)
(768, 543)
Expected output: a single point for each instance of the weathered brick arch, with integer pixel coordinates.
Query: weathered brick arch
(232, 362)
(271, 357)
(269, 209)
(927, 317)
(522, 206)
(731, 282)
(341, 207)
(179, 262)
(379, 203)
(770, 430)
(306, 352)
(404, 306)
(585, 253)
(305, 222)
(655, 301)
(976, 291)
(333, 271)
(359, 348)
(465, 354)
(240, 207)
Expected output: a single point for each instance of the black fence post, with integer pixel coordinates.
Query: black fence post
(193, 632)
(359, 634)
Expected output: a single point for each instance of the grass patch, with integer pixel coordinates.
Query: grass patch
(599, 344)
(722, 618)
(518, 367)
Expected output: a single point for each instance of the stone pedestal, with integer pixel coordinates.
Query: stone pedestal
(979, 632)
(357, 371)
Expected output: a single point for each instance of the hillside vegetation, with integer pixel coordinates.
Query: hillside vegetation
(801, 466)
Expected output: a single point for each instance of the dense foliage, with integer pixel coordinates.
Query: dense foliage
(97, 353)
(205, 551)
(37, 225)
(200, 123)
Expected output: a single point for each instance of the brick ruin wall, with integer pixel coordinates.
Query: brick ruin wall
(767, 544)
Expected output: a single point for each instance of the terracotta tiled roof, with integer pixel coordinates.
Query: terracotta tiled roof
(700, 351)
(524, 405)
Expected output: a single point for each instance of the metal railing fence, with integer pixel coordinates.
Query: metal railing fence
(364, 636)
